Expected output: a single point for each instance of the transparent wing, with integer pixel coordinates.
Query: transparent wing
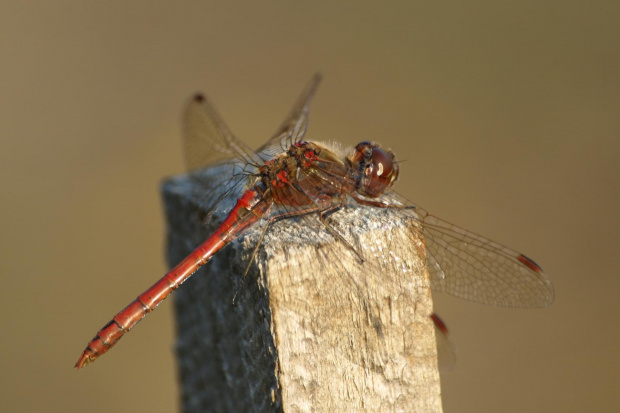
(208, 141)
(446, 350)
(295, 125)
(472, 267)
(207, 138)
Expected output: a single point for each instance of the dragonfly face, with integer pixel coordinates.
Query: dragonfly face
(375, 168)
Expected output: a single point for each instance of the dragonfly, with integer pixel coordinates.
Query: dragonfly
(290, 177)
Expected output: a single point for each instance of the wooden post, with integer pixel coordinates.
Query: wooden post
(308, 331)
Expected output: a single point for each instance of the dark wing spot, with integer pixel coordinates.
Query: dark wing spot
(529, 263)
(439, 323)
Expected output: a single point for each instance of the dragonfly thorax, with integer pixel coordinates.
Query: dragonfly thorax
(308, 173)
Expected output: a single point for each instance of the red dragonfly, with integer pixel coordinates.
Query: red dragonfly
(291, 177)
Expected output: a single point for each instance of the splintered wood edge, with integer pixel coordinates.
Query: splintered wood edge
(348, 337)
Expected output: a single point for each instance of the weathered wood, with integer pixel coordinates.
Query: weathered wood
(307, 332)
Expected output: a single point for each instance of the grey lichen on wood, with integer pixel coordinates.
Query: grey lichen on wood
(312, 328)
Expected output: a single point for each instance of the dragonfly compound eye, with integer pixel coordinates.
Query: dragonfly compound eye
(377, 167)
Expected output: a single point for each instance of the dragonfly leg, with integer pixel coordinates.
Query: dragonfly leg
(323, 215)
(260, 241)
(380, 204)
(251, 260)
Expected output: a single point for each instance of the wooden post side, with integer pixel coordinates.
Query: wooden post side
(352, 336)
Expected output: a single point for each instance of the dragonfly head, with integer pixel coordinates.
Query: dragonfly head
(374, 168)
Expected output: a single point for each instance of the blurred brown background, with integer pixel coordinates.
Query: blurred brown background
(507, 114)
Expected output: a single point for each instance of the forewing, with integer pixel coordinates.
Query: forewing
(208, 141)
(472, 267)
(295, 125)
(207, 138)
